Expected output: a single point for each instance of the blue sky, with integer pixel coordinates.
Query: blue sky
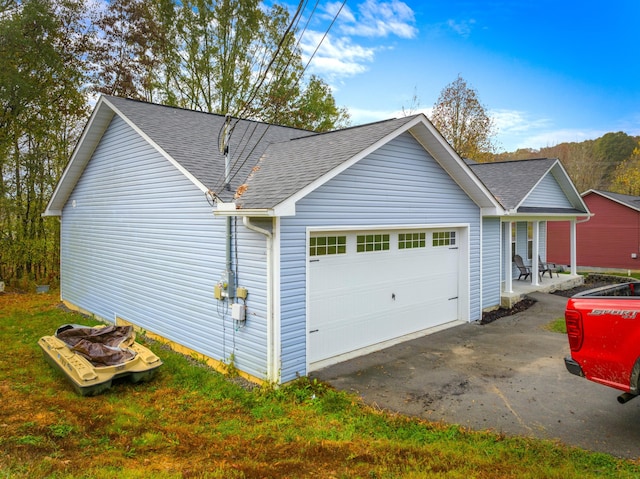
(547, 71)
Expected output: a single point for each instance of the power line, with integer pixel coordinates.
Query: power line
(296, 19)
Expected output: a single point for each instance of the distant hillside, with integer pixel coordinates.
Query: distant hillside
(591, 163)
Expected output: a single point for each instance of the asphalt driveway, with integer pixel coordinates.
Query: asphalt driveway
(507, 376)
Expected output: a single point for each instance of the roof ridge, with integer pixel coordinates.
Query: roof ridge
(604, 192)
(513, 161)
(208, 113)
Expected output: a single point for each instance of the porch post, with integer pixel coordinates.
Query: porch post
(535, 279)
(506, 257)
(572, 241)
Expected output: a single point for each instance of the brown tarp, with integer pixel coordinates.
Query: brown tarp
(101, 346)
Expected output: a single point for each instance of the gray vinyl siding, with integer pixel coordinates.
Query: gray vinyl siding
(547, 194)
(399, 184)
(139, 241)
(491, 262)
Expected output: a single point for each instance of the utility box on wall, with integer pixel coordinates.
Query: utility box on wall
(238, 312)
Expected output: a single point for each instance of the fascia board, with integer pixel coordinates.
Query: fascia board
(610, 198)
(89, 140)
(287, 207)
(432, 141)
(480, 195)
(93, 131)
(157, 147)
(525, 197)
(251, 212)
(561, 175)
(545, 217)
(491, 211)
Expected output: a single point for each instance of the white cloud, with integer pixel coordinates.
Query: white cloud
(336, 57)
(518, 129)
(379, 19)
(517, 122)
(462, 28)
(340, 55)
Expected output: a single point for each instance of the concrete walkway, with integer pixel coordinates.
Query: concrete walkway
(507, 376)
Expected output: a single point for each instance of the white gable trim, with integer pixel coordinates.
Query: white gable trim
(526, 197)
(432, 141)
(94, 130)
(91, 135)
(180, 168)
(565, 183)
(427, 136)
(611, 198)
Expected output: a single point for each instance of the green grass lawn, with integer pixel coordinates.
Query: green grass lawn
(558, 326)
(191, 422)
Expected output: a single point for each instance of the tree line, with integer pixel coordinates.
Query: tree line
(238, 57)
(610, 163)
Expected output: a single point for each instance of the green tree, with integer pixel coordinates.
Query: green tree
(223, 56)
(41, 106)
(612, 149)
(626, 176)
(464, 121)
(314, 107)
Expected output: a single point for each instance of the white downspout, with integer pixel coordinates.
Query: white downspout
(272, 356)
(572, 241)
(573, 234)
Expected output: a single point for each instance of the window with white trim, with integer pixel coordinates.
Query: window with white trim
(412, 240)
(444, 238)
(327, 245)
(372, 242)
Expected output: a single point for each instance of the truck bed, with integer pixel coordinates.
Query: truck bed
(603, 328)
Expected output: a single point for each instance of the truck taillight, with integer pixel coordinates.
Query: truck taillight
(573, 320)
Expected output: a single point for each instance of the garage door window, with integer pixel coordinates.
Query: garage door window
(444, 238)
(365, 243)
(412, 240)
(327, 245)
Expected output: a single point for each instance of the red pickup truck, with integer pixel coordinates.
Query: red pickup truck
(603, 327)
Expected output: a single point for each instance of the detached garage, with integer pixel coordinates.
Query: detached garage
(369, 288)
(295, 251)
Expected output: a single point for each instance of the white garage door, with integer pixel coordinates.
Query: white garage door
(370, 287)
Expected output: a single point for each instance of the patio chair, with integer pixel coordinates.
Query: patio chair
(547, 268)
(524, 269)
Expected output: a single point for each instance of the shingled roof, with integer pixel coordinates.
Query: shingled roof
(288, 167)
(511, 181)
(191, 138)
(627, 200)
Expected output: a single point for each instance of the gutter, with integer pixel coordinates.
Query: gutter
(230, 209)
(272, 343)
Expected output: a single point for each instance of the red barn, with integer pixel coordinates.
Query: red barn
(609, 240)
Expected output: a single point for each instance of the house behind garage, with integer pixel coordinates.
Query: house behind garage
(282, 250)
(609, 241)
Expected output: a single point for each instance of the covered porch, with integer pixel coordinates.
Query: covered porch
(520, 288)
(526, 236)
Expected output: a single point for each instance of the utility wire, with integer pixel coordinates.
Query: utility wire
(296, 19)
(229, 129)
